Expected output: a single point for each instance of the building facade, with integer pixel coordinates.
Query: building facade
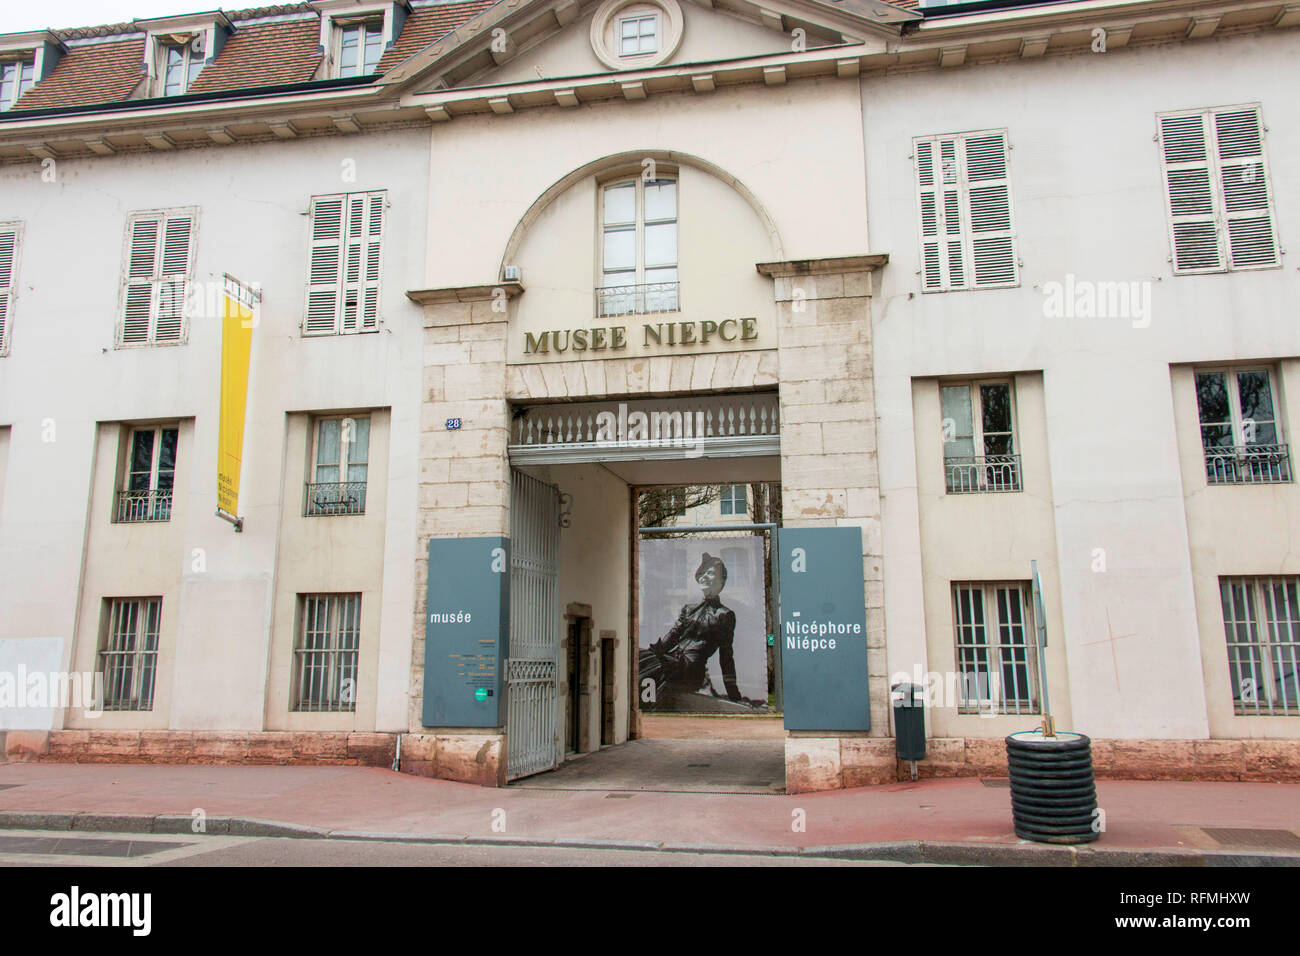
(1003, 287)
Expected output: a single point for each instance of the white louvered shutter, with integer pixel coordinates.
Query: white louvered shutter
(8, 253)
(954, 253)
(988, 193)
(142, 255)
(354, 261)
(939, 200)
(173, 276)
(964, 198)
(159, 253)
(1251, 235)
(374, 231)
(1189, 186)
(932, 273)
(343, 287)
(325, 276)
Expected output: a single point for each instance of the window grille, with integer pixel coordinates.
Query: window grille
(128, 654)
(329, 636)
(1261, 621)
(997, 648)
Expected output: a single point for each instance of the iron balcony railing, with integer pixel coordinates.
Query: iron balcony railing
(335, 498)
(644, 299)
(143, 506)
(982, 473)
(1248, 465)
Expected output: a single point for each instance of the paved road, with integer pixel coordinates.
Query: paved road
(62, 848)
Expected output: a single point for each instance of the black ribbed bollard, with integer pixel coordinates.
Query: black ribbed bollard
(1053, 795)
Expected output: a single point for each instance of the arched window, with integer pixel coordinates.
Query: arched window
(638, 253)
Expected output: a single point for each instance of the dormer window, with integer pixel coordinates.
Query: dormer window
(16, 78)
(360, 45)
(25, 60)
(178, 48)
(638, 35)
(180, 59)
(354, 34)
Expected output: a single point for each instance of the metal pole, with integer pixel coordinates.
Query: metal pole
(774, 560)
(1040, 634)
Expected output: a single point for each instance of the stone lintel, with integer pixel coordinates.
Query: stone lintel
(813, 267)
(465, 293)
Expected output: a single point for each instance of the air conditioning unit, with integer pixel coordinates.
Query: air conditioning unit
(514, 274)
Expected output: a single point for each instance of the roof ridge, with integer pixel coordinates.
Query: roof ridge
(128, 27)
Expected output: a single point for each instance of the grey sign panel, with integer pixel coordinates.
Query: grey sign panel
(466, 632)
(823, 629)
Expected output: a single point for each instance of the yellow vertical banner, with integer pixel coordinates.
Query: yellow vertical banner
(238, 317)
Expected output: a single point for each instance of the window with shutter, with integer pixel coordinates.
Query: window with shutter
(964, 198)
(9, 238)
(159, 257)
(1216, 184)
(344, 274)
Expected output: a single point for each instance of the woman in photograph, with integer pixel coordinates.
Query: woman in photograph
(678, 662)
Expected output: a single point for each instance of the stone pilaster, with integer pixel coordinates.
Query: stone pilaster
(464, 482)
(829, 475)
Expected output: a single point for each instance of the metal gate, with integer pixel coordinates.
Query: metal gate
(532, 699)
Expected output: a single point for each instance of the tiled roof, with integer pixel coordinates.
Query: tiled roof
(426, 24)
(264, 54)
(274, 53)
(256, 54)
(99, 73)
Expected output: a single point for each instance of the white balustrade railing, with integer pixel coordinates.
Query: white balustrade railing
(611, 423)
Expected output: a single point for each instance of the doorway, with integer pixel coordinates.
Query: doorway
(728, 734)
(577, 653)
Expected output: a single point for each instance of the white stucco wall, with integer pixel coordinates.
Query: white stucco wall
(719, 239)
(799, 156)
(63, 375)
(1088, 200)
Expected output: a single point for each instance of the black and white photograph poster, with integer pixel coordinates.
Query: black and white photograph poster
(703, 640)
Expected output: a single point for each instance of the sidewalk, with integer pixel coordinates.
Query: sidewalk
(949, 820)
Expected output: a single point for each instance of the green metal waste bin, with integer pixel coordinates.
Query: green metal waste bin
(909, 720)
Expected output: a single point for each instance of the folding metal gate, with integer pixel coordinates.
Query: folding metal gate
(532, 699)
